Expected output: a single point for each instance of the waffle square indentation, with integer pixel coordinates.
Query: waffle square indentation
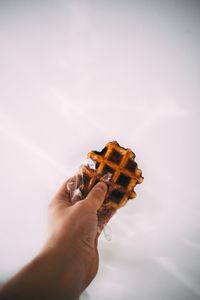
(115, 157)
(108, 169)
(116, 196)
(131, 165)
(123, 180)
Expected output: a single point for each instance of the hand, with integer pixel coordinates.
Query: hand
(74, 227)
(69, 260)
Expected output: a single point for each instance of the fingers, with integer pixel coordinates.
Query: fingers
(67, 189)
(103, 219)
(97, 195)
(73, 188)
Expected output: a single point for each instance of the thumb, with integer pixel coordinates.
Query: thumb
(97, 195)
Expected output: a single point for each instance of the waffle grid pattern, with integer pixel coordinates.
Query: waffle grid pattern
(119, 163)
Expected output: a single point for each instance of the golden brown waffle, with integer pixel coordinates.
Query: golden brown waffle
(117, 164)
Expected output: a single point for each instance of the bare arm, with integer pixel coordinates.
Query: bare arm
(69, 260)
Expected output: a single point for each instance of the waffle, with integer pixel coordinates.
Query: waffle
(115, 165)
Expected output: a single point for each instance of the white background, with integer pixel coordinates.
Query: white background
(75, 75)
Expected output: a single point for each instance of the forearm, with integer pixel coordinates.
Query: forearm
(53, 275)
(69, 260)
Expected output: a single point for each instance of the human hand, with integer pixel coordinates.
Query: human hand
(69, 259)
(73, 228)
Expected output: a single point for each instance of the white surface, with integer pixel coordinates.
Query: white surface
(74, 75)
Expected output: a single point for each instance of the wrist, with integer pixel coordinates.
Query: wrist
(69, 265)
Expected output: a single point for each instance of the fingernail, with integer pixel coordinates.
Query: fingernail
(102, 186)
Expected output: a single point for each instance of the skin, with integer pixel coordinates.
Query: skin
(69, 259)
